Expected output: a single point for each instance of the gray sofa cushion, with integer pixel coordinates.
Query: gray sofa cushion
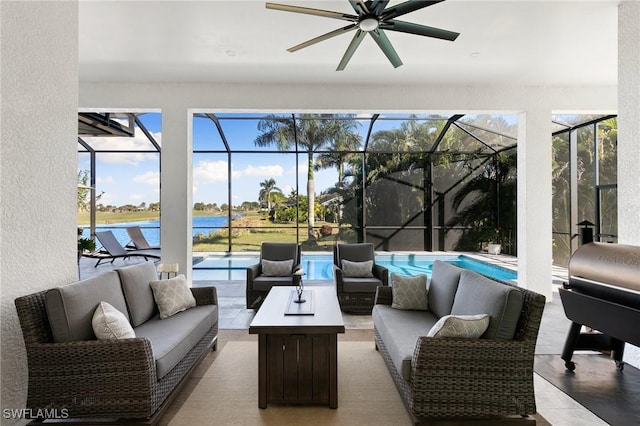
(360, 285)
(264, 283)
(137, 291)
(70, 308)
(399, 330)
(481, 295)
(172, 338)
(442, 287)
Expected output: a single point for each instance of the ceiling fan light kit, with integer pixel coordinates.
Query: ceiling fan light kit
(373, 17)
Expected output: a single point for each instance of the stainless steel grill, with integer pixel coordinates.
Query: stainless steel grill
(603, 294)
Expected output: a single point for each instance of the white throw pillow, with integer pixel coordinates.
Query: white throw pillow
(463, 326)
(172, 295)
(277, 268)
(357, 269)
(409, 292)
(110, 323)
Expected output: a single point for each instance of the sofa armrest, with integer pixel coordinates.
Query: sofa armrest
(205, 295)
(381, 273)
(490, 366)
(384, 296)
(109, 377)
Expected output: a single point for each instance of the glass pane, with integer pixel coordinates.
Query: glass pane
(139, 142)
(206, 136)
(609, 215)
(561, 184)
(410, 134)
(210, 202)
(608, 151)
(586, 175)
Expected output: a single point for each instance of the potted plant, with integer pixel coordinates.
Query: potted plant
(495, 238)
(84, 244)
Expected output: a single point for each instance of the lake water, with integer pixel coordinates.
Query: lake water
(151, 228)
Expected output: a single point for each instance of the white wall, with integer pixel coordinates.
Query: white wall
(629, 134)
(38, 143)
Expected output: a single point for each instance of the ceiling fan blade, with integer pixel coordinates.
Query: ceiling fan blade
(323, 37)
(407, 7)
(310, 11)
(359, 6)
(385, 45)
(355, 42)
(423, 30)
(377, 6)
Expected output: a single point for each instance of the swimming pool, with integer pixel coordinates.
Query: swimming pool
(320, 266)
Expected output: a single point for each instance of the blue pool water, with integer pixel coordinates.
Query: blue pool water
(320, 266)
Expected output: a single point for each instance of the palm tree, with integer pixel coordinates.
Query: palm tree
(311, 133)
(340, 150)
(268, 186)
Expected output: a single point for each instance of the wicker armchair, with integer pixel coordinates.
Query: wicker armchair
(258, 284)
(106, 379)
(470, 378)
(356, 294)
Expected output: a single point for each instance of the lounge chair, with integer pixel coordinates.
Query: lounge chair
(260, 280)
(112, 249)
(138, 241)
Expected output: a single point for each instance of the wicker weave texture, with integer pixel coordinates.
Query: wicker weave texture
(98, 378)
(471, 378)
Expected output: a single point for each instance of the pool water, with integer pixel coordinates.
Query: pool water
(320, 266)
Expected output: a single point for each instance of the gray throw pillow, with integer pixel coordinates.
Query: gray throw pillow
(409, 292)
(357, 269)
(110, 323)
(277, 268)
(172, 295)
(461, 326)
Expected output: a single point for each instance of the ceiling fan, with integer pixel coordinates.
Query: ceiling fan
(373, 17)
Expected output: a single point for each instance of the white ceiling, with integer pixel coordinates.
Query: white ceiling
(502, 42)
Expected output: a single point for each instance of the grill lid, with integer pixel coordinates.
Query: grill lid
(612, 264)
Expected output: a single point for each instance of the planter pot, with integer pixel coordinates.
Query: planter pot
(494, 248)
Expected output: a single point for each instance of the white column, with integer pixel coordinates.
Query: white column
(534, 200)
(176, 198)
(38, 166)
(629, 134)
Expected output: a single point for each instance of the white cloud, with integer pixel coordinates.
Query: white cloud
(260, 171)
(210, 171)
(117, 143)
(148, 178)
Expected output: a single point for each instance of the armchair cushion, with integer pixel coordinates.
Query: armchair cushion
(172, 296)
(357, 269)
(462, 326)
(479, 295)
(110, 323)
(277, 268)
(409, 292)
(360, 285)
(264, 283)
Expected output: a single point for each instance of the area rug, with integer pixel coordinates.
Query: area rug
(224, 389)
(612, 395)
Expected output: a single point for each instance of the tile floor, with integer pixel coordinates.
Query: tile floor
(553, 405)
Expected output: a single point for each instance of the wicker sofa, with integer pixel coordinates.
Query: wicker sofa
(130, 380)
(456, 378)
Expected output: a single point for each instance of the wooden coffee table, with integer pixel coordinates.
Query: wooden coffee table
(298, 354)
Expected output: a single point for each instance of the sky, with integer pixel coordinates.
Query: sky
(133, 178)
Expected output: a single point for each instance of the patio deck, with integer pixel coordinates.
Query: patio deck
(553, 405)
